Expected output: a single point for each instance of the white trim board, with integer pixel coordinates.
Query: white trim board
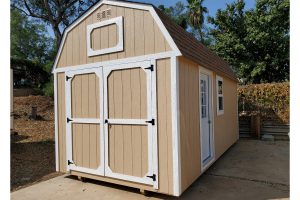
(120, 45)
(175, 126)
(149, 8)
(56, 123)
(116, 62)
(219, 78)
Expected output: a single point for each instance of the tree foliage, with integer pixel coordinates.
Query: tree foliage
(29, 40)
(254, 42)
(31, 51)
(177, 13)
(195, 13)
(56, 13)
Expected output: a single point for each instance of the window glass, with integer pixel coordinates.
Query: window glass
(220, 87)
(221, 103)
(220, 97)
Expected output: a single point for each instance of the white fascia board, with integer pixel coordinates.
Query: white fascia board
(122, 4)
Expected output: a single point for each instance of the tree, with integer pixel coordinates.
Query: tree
(196, 17)
(254, 42)
(31, 51)
(57, 13)
(29, 40)
(177, 13)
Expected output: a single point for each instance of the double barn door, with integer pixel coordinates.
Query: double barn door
(111, 122)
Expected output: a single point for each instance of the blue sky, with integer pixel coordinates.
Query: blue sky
(212, 5)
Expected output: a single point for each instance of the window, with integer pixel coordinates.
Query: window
(220, 97)
(118, 21)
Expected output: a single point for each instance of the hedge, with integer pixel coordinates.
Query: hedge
(271, 101)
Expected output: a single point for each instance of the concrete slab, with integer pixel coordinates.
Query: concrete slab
(249, 170)
(255, 160)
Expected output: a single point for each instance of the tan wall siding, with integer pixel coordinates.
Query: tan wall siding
(189, 122)
(164, 129)
(141, 37)
(61, 115)
(226, 126)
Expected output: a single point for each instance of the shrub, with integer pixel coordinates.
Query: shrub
(271, 101)
(48, 89)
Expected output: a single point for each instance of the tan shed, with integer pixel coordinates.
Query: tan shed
(140, 102)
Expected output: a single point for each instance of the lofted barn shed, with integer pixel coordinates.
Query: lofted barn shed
(138, 101)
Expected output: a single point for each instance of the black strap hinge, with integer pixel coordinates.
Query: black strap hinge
(70, 162)
(151, 122)
(69, 120)
(153, 177)
(68, 77)
(151, 68)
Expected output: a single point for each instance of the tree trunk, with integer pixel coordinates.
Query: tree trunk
(58, 35)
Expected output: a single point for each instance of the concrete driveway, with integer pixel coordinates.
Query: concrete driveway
(251, 169)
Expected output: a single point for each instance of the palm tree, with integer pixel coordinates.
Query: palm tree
(196, 13)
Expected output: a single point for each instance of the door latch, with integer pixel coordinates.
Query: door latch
(153, 177)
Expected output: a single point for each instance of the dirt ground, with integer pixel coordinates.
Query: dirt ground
(32, 143)
(251, 169)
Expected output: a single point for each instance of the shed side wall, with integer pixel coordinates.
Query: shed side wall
(142, 36)
(226, 125)
(189, 122)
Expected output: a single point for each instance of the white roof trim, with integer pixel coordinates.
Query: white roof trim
(122, 4)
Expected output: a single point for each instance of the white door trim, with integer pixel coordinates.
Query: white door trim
(152, 137)
(211, 76)
(68, 79)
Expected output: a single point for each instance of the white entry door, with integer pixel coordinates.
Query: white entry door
(130, 122)
(84, 121)
(206, 119)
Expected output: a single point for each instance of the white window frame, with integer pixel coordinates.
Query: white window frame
(119, 47)
(219, 78)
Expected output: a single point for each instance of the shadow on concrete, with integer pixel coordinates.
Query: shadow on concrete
(30, 161)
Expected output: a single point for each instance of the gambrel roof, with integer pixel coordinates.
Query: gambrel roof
(194, 50)
(182, 42)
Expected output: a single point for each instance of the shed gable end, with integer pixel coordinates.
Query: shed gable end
(141, 36)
